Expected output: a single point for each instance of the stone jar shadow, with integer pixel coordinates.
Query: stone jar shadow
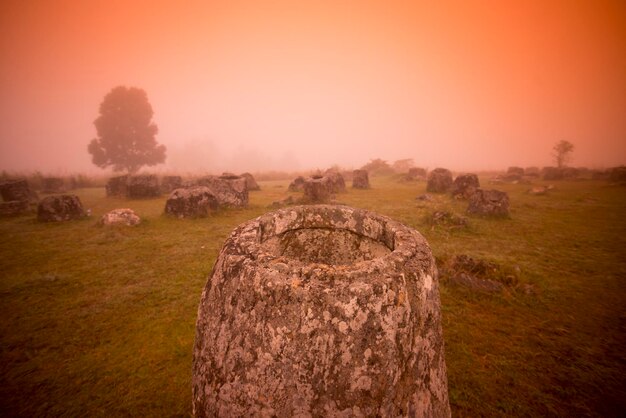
(321, 310)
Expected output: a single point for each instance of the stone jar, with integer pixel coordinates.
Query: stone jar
(360, 179)
(317, 189)
(321, 310)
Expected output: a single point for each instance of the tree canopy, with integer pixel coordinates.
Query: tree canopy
(562, 153)
(126, 132)
(402, 166)
(378, 166)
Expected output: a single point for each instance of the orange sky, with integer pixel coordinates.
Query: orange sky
(249, 85)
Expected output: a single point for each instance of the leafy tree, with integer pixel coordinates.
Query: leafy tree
(562, 153)
(378, 166)
(402, 166)
(126, 132)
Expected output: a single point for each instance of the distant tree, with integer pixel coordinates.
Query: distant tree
(378, 167)
(402, 166)
(562, 153)
(126, 132)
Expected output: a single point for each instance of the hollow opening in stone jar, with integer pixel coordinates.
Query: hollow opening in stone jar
(326, 246)
(329, 238)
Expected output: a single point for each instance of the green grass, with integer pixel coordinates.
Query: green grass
(100, 321)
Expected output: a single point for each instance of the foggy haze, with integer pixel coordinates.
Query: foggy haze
(283, 85)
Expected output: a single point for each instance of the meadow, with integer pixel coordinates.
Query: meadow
(100, 321)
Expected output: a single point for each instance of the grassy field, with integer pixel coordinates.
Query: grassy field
(100, 321)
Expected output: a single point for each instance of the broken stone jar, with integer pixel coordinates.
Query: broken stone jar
(321, 310)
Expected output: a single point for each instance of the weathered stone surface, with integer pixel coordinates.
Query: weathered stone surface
(317, 189)
(360, 179)
(230, 191)
(12, 190)
(552, 173)
(491, 203)
(116, 186)
(143, 186)
(321, 311)
(477, 274)
(120, 217)
(447, 219)
(251, 183)
(14, 208)
(52, 185)
(439, 181)
(335, 181)
(191, 202)
(297, 185)
(465, 185)
(60, 208)
(171, 183)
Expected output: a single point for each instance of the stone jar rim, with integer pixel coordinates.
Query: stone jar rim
(403, 242)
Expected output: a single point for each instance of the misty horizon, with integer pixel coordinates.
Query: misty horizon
(278, 86)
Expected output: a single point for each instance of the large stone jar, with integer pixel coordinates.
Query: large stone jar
(321, 310)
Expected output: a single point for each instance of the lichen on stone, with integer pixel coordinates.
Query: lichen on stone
(321, 311)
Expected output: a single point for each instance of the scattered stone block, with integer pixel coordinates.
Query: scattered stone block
(335, 181)
(116, 186)
(60, 208)
(570, 173)
(439, 181)
(618, 175)
(552, 173)
(600, 174)
(191, 202)
(416, 173)
(532, 172)
(317, 189)
(465, 186)
(143, 186)
(251, 183)
(120, 217)
(489, 203)
(230, 191)
(448, 219)
(171, 183)
(360, 179)
(477, 274)
(293, 303)
(18, 189)
(297, 185)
